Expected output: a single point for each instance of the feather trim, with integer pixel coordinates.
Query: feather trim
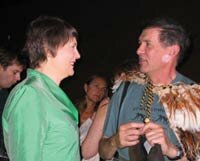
(190, 143)
(133, 76)
(182, 105)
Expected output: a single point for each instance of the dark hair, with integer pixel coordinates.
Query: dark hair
(8, 58)
(91, 78)
(127, 66)
(82, 103)
(171, 33)
(47, 33)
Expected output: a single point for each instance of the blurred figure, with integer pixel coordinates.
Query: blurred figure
(11, 66)
(124, 72)
(95, 90)
(92, 115)
(40, 123)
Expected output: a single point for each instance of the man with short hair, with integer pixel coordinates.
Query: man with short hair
(11, 66)
(161, 106)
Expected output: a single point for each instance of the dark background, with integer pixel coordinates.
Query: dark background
(108, 31)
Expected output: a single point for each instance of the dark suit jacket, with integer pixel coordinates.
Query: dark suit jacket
(3, 97)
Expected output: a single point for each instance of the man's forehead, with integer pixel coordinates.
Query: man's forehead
(150, 33)
(152, 30)
(15, 66)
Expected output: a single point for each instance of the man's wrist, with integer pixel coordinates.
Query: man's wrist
(179, 154)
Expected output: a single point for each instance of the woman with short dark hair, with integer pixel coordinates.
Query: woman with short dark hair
(40, 123)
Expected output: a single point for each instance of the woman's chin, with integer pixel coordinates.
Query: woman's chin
(71, 73)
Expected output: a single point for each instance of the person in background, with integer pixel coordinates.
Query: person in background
(40, 123)
(90, 145)
(95, 88)
(161, 106)
(124, 72)
(92, 115)
(11, 66)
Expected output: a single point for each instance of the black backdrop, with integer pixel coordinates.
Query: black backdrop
(108, 30)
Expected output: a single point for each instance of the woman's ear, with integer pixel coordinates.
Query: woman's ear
(49, 55)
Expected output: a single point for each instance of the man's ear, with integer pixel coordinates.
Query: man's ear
(172, 51)
(175, 49)
(2, 68)
(166, 58)
(85, 88)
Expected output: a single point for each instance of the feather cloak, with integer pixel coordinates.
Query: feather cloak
(182, 106)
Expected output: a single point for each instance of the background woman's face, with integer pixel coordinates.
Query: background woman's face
(96, 90)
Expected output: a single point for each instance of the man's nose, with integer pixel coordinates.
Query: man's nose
(18, 77)
(140, 49)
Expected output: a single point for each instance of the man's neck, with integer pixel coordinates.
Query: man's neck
(162, 78)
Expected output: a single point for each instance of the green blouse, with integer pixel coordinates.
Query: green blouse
(40, 123)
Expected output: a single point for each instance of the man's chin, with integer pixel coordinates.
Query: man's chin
(7, 86)
(143, 70)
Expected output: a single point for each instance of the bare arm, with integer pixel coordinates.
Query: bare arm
(90, 145)
(108, 147)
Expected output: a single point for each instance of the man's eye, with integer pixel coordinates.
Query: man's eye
(15, 72)
(148, 45)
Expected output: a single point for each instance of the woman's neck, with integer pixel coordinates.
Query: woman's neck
(90, 106)
(45, 69)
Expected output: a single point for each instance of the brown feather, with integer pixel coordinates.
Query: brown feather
(191, 143)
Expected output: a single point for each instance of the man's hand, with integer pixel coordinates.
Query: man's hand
(155, 134)
(128, 134)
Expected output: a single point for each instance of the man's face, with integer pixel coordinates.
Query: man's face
(10, 75)
(151, 51)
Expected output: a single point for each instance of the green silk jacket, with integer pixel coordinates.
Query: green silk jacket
(40, 123)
